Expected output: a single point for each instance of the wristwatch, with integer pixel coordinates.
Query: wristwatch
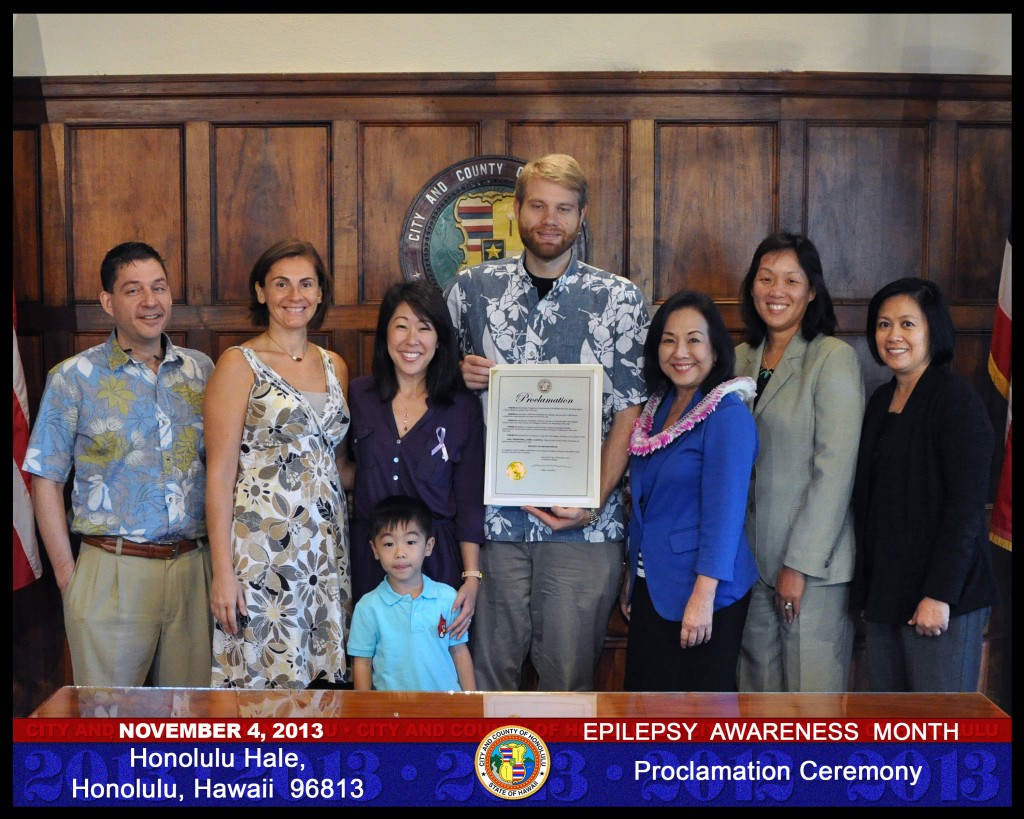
(477, 574)
(595, 515)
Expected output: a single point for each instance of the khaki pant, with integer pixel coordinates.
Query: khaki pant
(813, 653)
(546, 600)
(127, 617)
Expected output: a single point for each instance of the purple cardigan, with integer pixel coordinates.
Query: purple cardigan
(416, 465)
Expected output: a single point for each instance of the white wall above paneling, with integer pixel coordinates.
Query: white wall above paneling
(52, 45)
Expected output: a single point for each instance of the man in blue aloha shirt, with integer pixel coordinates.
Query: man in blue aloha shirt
(552, 575)
(126, 416)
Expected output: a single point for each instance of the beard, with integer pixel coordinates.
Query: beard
(547, 251)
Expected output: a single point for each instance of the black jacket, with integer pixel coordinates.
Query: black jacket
(919, 501)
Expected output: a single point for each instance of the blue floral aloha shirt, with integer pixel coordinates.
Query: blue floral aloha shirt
(133, 437)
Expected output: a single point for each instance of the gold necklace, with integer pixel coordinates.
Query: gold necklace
(401, 405)
(405, 415)
(283, 350)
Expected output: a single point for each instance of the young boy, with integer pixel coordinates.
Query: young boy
(399, 638)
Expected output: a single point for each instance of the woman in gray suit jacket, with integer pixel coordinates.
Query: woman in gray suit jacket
(808, 409)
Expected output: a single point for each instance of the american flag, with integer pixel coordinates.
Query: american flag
(999, 367)
(27, 567)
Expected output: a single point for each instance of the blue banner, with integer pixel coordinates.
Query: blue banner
(608, 774)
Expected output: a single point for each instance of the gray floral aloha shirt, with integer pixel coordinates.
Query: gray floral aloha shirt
(589, 317)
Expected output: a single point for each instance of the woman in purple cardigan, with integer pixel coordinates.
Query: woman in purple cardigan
(416, 430)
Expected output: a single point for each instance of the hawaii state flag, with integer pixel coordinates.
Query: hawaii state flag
(1001, 527)
(27, 566)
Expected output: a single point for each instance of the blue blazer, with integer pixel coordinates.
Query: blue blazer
(689, 504)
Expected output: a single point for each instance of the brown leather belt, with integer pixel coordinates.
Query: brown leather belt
(156, 551)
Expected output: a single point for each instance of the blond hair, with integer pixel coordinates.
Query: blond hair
(561, 169)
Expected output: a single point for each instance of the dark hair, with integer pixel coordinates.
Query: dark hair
(721, 342)
(124, 254)
(561, 169)
(426, 301)
(400, 509)
(941, 336)
(819, 318)
(285, 249)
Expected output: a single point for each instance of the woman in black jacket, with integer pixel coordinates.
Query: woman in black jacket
(923, 580)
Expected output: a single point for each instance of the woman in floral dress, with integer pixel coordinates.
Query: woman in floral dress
(275, 415)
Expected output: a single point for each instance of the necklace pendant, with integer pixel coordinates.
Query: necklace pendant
(284, 349)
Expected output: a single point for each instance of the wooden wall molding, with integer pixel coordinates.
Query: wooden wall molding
(669, 83)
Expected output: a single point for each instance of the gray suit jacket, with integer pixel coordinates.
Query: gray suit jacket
(808, 421)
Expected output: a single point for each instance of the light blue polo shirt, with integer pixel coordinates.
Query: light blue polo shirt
(403, 637)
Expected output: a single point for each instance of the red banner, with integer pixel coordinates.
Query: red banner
(553, 730)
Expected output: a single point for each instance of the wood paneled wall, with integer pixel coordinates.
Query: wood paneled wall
(891, 175)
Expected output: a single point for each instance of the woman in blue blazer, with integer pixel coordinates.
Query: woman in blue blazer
(691, 453)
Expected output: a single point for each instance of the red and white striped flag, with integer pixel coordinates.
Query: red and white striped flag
(27, 567)
(1001, 526)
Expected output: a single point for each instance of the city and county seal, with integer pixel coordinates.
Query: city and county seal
(465, 215)
(512, 762)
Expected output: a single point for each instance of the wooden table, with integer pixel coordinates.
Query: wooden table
(133, 703)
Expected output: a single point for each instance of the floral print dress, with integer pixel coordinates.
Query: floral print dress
(289, 540)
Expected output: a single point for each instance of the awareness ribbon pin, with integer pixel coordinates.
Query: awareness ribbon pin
(440, 445)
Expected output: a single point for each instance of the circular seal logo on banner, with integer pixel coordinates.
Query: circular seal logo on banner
(512, 762)
(464, 216)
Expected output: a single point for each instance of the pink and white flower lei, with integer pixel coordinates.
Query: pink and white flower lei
(641, 442)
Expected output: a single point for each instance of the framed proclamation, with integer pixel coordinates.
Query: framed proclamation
(544, 435)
